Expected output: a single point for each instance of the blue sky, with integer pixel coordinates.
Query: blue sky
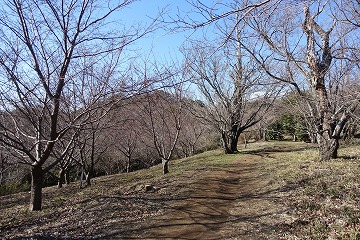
(162, 43)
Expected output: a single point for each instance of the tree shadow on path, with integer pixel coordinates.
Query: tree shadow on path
(238, 203)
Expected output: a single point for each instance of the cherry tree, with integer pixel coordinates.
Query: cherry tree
(46, 50)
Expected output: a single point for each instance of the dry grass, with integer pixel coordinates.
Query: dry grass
(324, 197)
(302, 198)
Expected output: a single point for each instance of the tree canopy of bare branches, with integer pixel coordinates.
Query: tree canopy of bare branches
(311, 47)
(235, 90)
(48, 53)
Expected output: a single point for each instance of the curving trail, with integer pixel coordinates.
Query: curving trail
(231, 200)
(236, 203)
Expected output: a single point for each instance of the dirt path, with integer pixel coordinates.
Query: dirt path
(237, 203)
(208, 196)
(237, 200)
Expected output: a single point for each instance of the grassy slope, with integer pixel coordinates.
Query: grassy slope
(324, 197)
(81, 212)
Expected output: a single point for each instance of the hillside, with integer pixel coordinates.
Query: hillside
(275, 190)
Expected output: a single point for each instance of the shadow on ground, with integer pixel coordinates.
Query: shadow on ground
(236, 202)
(223, 204)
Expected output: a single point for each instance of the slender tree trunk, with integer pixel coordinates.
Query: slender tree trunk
(334, 147)
(192, 151)
(67, 176)
(128, 164)
(88, 179)
(1, 176)
(2, 167)
(82, 175)
(37, 178)
(61, 177)
(165, 164)
(264, 137)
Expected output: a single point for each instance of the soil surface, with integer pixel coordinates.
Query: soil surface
(237, 201)
(234, 203)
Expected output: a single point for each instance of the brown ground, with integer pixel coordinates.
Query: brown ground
(234, 203)
(238, 200)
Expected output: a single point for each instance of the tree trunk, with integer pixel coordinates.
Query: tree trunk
(225, 142)
(264, 137)
(1, 168)
(334, 147)
(37, 177)
(61, 177)
(128, 164)
(82, 175)
(230, 142)
(226, 147)
(88, 179)
(67, 176)
(328, 148)
(192, 151)
(234, 143)
(165, 164)
(312, 138)
(319, 63)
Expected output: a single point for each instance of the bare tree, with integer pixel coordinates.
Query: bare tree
(347, 11)
(65, 156)
(192, 134)
(129, 143)
(205, 14)
(233, 87)
(314, 61)
(92, 145)
(43, 43)
(5, 164)
(126, 132)
(298, 55)
(161, 114)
